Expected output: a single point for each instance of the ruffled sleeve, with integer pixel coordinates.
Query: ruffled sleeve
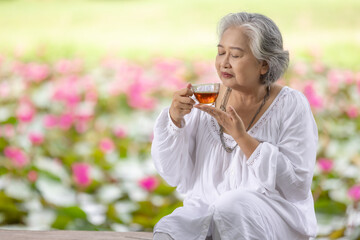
(173, 149)
(287, 165)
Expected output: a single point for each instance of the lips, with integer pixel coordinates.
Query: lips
(226, 75)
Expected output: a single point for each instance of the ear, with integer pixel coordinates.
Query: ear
(264, 68)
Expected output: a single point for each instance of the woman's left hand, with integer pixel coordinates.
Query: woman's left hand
(230, 120)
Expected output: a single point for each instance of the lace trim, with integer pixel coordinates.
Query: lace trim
(230, 142)
(268, 113)
(172, 127)
(250, 162)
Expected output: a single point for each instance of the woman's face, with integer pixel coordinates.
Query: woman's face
(236, 66)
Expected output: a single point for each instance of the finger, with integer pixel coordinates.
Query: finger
(186, 91)
(216, 113)
(186, 100)
(204, 108)
(233, 113)
(185, 106)
(185, 111)
(208, 109)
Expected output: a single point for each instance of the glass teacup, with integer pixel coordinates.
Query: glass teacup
(206, 93)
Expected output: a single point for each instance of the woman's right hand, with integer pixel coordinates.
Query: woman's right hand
(181, 105)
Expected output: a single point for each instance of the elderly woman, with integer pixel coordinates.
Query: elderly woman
(245, 166)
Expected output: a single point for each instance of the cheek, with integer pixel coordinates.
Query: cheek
(217, 65)
(238, 69)
(244, 67)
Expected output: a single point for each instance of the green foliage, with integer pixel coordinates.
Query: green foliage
(72, 218)
(164, 190)
(3, 143)
(9, 208)
(330, 207)
(10, 120)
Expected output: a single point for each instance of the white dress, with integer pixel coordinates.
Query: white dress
(267, 196)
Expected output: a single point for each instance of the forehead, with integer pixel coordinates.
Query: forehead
(235, 37)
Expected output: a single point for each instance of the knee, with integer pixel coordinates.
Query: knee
(243, 201)
(162, 236)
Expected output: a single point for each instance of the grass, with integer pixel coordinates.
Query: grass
(140, 29)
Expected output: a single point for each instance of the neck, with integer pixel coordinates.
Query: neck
(248, 96)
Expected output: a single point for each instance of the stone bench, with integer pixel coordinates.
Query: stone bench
(72, 235)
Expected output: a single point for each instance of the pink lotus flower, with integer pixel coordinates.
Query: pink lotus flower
(67, 91)
(171, 73)
(66, 66)
(149, 183)
(91, 94)
(32, 176)
(204, 68)
(137, 97)
(318, 67)
(352, 112)
(125, 74)
(106, 145)
(85, 112)
(36, 138)
(81, 126)
(16, 155)
(120, 132)
(83, 118)
(65, 121)
(8, 131)
(354, 193)
(326, 165)
(169, 65)
(349, 77)
(81, 173)
(5, 90)
(25, 111)
(36, 72)
(314, 99)
(51, 121)
(21, 128)
(335, 78)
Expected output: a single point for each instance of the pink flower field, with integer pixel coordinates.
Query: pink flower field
(75, 141)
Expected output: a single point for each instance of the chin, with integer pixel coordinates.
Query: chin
(229, 82)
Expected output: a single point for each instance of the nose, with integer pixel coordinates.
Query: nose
(225, 62)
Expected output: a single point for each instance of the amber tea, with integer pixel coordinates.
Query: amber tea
(206, 93)
(206, 97)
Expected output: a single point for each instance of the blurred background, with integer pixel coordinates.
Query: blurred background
(82, 82)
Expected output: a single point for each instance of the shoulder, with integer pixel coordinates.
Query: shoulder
(293, 102)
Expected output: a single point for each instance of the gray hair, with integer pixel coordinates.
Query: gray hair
(265, 41)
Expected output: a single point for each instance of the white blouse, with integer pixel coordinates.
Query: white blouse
(193, 159)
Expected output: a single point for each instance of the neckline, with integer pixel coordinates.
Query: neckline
(259, 121)
(276, 99)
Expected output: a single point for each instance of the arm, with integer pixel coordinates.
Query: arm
(173, 149)
(287, 166)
